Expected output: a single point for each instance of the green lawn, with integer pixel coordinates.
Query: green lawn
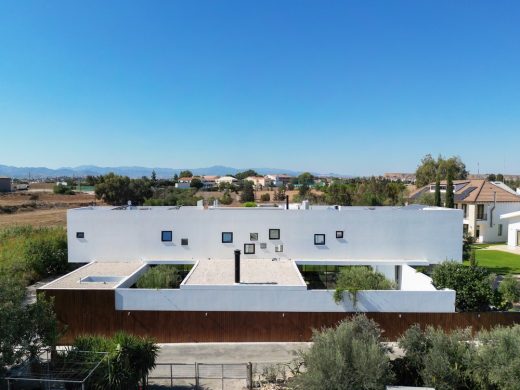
(497, 261)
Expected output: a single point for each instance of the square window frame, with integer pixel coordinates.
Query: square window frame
(275, 233)
(247, 249)
(184, 242)
(165, 238)
(340, 234)
(253, 236)
(278, 248)
(80, 234)
(317, 237)
(227, 241)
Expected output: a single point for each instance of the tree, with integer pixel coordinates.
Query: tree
(306, 179)
(338, 193)
(265, 197)
(118, 190)
(153, 178)
(450, 199)
(196, 183)
(186, 173)
(492, 177)
(473, 285)
(438, 201)
(303, 190)
(500, 177)
(348, 357)
(243, 175)
(279, 194)
(439, 359)
(24, 329)
(226, 198)
(429, 168)
(247, 195)
(357, 278)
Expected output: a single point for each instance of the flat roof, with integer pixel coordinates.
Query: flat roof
(96, 276)
(262, 272)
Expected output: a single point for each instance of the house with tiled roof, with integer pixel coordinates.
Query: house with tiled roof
(483, 202)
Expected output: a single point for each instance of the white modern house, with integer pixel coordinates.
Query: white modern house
(482, 203)
(513, 234)
(119, 244)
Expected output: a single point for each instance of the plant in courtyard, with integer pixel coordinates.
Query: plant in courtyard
(348, 357)
(357, 278)
(473, 285)
(160, 276)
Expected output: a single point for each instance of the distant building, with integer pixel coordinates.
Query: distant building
(5, 184)
(259, 182)
(279, 180)
(183, 182)
(226, 179)
(404, 177)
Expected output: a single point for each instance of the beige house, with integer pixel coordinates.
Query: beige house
(259, 182)
(482, 202)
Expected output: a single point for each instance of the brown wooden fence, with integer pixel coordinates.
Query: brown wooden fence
(93, 312)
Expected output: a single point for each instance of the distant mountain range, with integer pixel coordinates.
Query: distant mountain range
(84, 170)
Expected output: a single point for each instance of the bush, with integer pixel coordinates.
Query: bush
(265, 197)
(249, 204)
(63, 190)
(348, 357)
(160, 276)
(473, 285)
(46, 255)
(356, 278)
(443, 360)
(130, 358)
(509, 289)
(226, 198)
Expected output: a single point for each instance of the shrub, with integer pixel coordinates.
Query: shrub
(356, 278)
(130, 359)
(249, 204)
(442, 360)
(265, 197)
(509, 289)
(226, 198)
(63, 190)
(160, 276)
(348, 357)
(473, 285)
(46, 255)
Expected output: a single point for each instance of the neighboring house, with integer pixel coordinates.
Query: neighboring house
(209, 182)
(5, 184)
(183, 182)
(482, 202)
(513, 231)
(226, 180)
(279, 180)
(259, 182)
(408, 178)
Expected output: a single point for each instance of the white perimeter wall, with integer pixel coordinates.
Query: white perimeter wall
(513, 228)
(385, 233)
(490, 233)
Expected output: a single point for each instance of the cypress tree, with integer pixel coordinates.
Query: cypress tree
(438, 191)
(450, 198)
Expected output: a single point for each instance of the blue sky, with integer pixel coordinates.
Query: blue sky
(354, 87)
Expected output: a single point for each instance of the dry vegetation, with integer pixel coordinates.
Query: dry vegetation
(38, 208)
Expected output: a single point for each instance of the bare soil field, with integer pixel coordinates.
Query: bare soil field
(39, 209)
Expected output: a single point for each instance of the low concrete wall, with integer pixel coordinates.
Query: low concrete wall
(281, 299)
(411, 280)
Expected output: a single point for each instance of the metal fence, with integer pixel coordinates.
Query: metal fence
(201, 376)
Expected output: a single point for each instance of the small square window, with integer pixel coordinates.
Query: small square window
(184, 241)
(263, 245)
(339, 233)
(80, 234)
(274, 234)
(249, 249)
(227, 237)
(319, 239)
(253, 236)
(166, 235)
(278, 248)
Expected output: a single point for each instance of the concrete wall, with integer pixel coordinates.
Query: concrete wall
(281, 299)
(384, 233)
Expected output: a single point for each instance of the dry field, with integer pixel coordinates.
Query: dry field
(39, 208)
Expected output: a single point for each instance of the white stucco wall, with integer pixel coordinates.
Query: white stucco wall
(489, 234)
(281, 299)
(513, 228)
(385, 233)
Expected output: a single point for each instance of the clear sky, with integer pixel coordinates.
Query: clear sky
(353, 87)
